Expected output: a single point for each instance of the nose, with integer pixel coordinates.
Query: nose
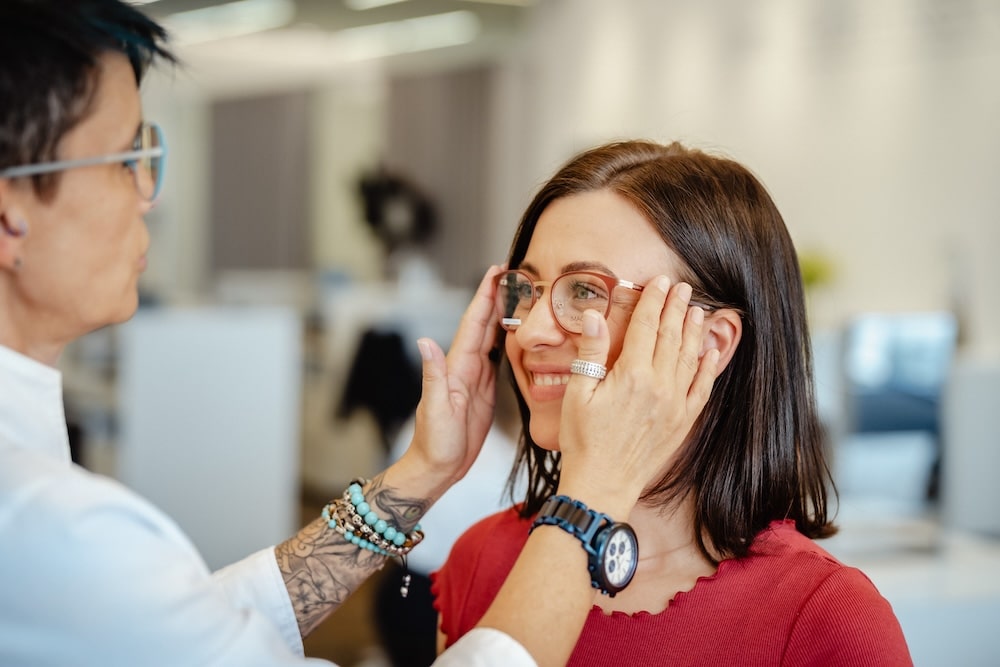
(539, 326)
(145, 182)
(144, 186)
(145, 205)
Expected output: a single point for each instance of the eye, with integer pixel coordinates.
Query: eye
(583, 290)
(523, 291)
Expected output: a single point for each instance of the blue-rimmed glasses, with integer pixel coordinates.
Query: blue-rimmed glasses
(145, 160)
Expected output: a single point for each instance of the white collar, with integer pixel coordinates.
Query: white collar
(31, 406)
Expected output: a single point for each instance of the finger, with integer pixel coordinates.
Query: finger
(687, 359)
(672, 325)
(434, 374)
(641, 334)
(594, 344)
(704, 380)
(477, 331)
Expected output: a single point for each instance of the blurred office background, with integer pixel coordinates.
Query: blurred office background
(272, 358)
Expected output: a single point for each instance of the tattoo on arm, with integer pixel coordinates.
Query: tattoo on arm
(401, 512)
(321, 569)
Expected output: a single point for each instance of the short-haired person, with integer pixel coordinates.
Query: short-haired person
(728, 572)
(90, 573)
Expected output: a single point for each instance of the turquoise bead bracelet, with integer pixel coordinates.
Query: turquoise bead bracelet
(382, 527)
(353, 517)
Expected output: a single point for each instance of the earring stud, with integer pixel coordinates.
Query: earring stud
(19, 228)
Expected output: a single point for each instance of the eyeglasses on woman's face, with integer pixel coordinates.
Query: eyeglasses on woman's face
(145, 161)
(569, 296)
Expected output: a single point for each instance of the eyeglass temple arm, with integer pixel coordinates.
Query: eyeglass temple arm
(61, 165)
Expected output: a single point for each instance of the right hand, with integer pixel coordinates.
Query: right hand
(618, 434)
(459, 391)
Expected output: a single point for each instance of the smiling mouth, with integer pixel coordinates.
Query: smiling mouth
(549, 379)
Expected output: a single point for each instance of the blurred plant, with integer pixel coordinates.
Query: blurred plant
(816, 267)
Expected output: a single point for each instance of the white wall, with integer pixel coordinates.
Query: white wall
(179, 223)
(349, 127)
(872, 123)
(208, 402)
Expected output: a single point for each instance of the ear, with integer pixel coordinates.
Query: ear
(13, 227)
(723, 329)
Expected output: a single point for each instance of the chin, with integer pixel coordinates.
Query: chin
(128, 311)
(124, 312)
(546, 438)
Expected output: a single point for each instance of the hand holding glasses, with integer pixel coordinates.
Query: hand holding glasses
(145, 160)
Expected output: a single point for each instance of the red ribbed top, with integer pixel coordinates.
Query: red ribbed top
(788, 602)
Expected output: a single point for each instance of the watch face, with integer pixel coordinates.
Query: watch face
(621, 556)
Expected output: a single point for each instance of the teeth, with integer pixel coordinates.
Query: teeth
(549, 379)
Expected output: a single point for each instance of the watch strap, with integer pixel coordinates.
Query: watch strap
(586, 525)
(575, 518)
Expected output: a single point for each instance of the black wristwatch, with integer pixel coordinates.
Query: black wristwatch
(612, 548)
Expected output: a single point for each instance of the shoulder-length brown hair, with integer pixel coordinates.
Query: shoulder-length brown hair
(756, 452)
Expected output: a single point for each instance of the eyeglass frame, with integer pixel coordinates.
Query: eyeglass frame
(129, 158)
(610, 281)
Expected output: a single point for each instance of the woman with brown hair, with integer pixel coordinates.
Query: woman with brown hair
(92, 574)
(727, 569)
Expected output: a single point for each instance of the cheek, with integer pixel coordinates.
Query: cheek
(513, 351)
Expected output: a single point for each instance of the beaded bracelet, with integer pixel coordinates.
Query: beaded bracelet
(343, 517)
(353, 518)
(358, 505)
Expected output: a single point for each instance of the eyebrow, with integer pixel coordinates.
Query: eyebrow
(572, 266)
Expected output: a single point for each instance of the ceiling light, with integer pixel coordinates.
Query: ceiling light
(361, 5)
(408, 35)
(232, 19)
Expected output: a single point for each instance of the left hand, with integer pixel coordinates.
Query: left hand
(616, 435)
(459, 391)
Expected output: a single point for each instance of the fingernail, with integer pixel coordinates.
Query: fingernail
(684, 290)
(697, 315)
(663, 283)
(591, 323)
(425, 349)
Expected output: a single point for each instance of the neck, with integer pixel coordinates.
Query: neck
(669, 559)
(666, 533)
(17, 336)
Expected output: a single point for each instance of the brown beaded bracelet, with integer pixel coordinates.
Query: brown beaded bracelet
(368, 532)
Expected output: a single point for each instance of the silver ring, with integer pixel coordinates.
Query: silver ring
(591, 369)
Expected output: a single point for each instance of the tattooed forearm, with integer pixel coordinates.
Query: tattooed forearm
(404, 513)
(321, 569)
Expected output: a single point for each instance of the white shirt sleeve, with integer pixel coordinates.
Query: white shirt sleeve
(255, 582)
(486, 647)
(93, 575)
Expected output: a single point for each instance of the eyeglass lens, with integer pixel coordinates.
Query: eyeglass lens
(570, 295)
(148, 170)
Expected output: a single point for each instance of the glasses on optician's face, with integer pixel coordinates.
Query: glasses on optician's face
(145, 161)
(569, 296)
